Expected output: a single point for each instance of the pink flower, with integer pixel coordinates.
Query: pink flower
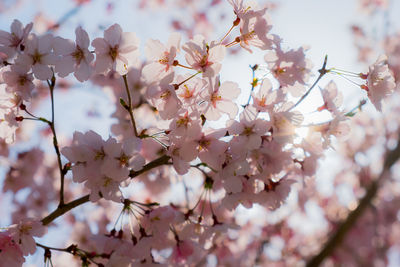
(158, 221)
(290, 68)
(14, 42)
(211, 149)
(241, 9)
(161, 58)
(274, 193)
(38, 54)
(219, 99)
(185, 126)
(182, 251)
(10, 252)
(338, 127)
(23, 233)
(266, 98)
(332, 98)
(120, 157)
(86, 152)
(75, 57)
(103, 165)
(380, 82)
(254, 30)
(117, 51)
(248, 131)
(204, 57)
(22, 172)
(284, 122)
(182, 154)
(164, 98)
(189, 91)
(8, 125)
(19, 81)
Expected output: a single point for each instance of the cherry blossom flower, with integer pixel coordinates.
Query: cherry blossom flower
(249, 130)
(274, 193)
(380, 82)
(117, 51)
(332, 98)
(370, 6)
(14, 42)
(219, 99)
(189, 92)
(86, 152)
(158, 221)
(241, 8)
(204, 57)
(338, 127)
(272, 158)
(184, 250)
(75, 57)
(161, 58)
(254, 30)
(290, 68)
(284, 122)
(8, 125)
(120, 156)
(164, 98)
(10, 252)
(211, 149)
(102, 165)
(8, 114)
(21, 174)
(185, 126)
(38, 54)
(19, 81)
(266, 98)
(23, 233)
(182, 154)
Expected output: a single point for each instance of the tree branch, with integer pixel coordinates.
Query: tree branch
(63, 209)
(322, 72)
(77, 202)
(129, 106)
(52, 84)
(352, 218)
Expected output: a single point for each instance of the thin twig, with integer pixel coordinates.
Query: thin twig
(129, 107)
(52, 84)
(322, 72)
(253, 82)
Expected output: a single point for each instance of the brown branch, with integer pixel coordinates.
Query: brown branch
(63, 209)
(52, 84)
(352, 218)
(129, 106)
(77, 202)
(155, 163)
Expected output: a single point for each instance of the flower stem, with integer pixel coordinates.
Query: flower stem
(182, 82)
(51, 85)
(130, 110)
(253, 82)
(322, 72)
(229, 31)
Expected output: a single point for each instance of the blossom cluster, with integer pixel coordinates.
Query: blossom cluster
(251, 161)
